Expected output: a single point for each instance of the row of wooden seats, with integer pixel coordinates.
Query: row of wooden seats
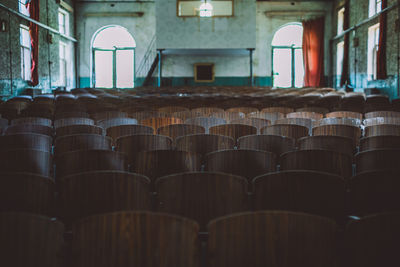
(201, 196)
(266, 238)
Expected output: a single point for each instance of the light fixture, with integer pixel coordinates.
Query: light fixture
(206, 9)
(3, 26)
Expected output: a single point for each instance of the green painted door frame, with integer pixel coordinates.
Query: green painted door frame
(293, 62)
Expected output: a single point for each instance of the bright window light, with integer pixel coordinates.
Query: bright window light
(289, 35)
(114, 37)
(206, 10)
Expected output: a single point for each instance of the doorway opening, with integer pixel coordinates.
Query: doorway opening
(287, 56)
(113, 58)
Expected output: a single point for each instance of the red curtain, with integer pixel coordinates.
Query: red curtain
(33, 7)
(346, 24)
(313, 52)
(381, 71)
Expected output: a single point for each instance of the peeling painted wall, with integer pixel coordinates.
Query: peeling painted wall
(47, 51)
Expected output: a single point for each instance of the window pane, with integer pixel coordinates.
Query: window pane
(61, 22)
(339, 58)
(125, 68)
(340, 21)
(299, 67)
(199, 8)
(25, 38)
(63, 72)
(22, 8)
(104, 69)
(282, 67)
(289, 35)
(27, 63)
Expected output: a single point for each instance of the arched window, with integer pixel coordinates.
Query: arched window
(287, 56)
(113, 58)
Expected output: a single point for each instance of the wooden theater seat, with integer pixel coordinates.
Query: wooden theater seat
(270, 116)
(157, 122)
(345, 114)
(382, 130)
(26, 141)
(32, 120)
(305, 115)
(379, 159)
(26, 160)
(76, 142)
(116, 132)
(29, 128)
(339, 130)
(176, 130)
(204, 143)
(292, 131)
(233, 130)
(255, 122)
(79, 129)
(328, 142)
(72, 121)
(105, 124)
(272, 238)
(380, 142)
(272, 143)
(206, 122)
(201, 196)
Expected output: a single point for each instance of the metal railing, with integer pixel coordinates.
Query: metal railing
(147, 61)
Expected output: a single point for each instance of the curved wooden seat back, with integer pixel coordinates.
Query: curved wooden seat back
(382, 120)
(311, 192)
(287, 130)
(320, 110)
(198, 195)
(374, 192)
(105, 115)
(229, 116)
(156, 123)
(79, 129)
(339, 121)
(133, 144)
(246, 163)
(143, 115)
(184, 115)
(306, 122)
(305, 115)
(143, 239)
(30, 240)
(26, 141)
(116, 122)
(373, 241)
(172, 109)
(345, 114)
(204, 143)
(71, 114)
(318, 160)
(274, 238)
(245, 110)
(270, 116)
(32, 120)
(26, 192)
(29, 128)
(72, 121)
(26, 160)
(272, 143)
(76, 142)
(116, 132)
(207, 111)
(283, 110)
(328, 142)
(381, 130)
(206, 122)
(339, 130)
(176, 130)
(380, 142)
(375, 114)
(90, 193)
(89, 160)
(158, 163)
(256, 122)
(233, 130)
(379, 159)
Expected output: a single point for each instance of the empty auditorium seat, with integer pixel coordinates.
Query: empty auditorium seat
(30, 240)
(312, 192)
(158, 163)
(305, 114)
(105, 124)
(233, 130)
(345, 114)
(283, 110)
(318, 160)
(29, 128)
(272, 238)
(382, 120)
(116, 132)
(79, 129)
(381, 130)
(89, 160)
(158, 122)
(338, 121)
(143, 115)
(229, 116)
(306, 122)
(76, 142)
(201, 196)
(172, 109)
(373, 241)
(105, 115)
(246, 163)
(207, 111)
(72, 121)
(374, 192)
(327, 142)
(176, 130)
(26, 141)
(135, 239)
(380, 142)
(32, 120)
(133, 144)
(206, 122)
(376, 114)
(287, 130)
(272, 143)
(245, 110)
(204, 143)
(26, 192)
(320, 110)
(270, 116)
(379, 159)
(26, 160)
(96, 192)
(71, 114)
(352, 132)
(256, 122)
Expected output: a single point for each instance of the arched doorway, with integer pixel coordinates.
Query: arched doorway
(287, 56)
(113, 58)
